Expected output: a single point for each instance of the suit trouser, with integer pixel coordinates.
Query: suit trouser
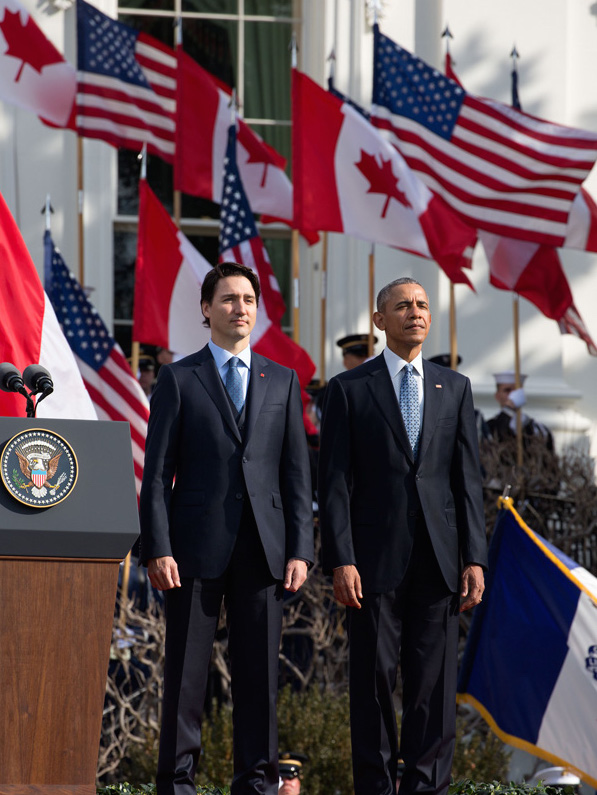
(253, 600)
(416, 625)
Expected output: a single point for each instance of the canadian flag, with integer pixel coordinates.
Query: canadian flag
(347, 178)
(168, 278)
(529, 269)
(33, 74)
(30, 333)
(535, 272)
(203, 117)
(168, 281)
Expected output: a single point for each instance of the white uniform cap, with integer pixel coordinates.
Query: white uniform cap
(556, 776)
(508, 377)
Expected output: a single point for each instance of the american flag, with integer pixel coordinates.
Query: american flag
(240, 242)
(239, 237)
(126, 85)
(115, 393)
(572, 323)
(502, 170)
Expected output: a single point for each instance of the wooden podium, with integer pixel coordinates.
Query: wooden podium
(58, 579)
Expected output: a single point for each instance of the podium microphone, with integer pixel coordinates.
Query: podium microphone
(37, 379)
(11, 379)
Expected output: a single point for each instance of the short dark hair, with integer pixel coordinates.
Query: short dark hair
(222, 271)
(384, 293)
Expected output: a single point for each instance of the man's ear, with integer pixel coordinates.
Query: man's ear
(379, 321)
(205, 309)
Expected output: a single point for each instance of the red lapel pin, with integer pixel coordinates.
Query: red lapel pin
(262, 375)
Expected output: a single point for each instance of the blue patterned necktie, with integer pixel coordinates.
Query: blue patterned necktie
(234, 383)
(409, 406)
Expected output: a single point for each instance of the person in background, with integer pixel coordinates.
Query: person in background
(146, 376)
(355, 349)
(291, 773)
(511, 399)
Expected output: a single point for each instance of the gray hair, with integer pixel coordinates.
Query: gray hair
(384, 293)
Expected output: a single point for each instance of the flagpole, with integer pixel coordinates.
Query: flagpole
(517, 383)
(48, 213)
(324, 288)
(135, 356)
(80, 210)
(295, 286)
(296, 267)
(515, 299)
(371, 297)
(324, 267)
(177, 197)
(135, 346)
(453, 335)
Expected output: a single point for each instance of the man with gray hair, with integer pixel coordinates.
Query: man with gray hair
(403, 531)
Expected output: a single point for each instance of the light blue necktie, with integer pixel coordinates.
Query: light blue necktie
(409, 406)
(234, 383)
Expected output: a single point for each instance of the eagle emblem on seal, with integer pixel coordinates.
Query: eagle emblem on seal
(39, 469)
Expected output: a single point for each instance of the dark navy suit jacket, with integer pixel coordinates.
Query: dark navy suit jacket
(371, 491)
(199, 469)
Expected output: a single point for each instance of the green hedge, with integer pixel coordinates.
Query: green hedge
(315, 723)
(466, 787)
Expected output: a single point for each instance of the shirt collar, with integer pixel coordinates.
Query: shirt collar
(395, 363)
(222, 356)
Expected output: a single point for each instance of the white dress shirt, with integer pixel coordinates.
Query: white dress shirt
(396, 369)
(222, 358)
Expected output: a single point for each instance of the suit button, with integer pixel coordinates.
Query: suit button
(413, 513)
(245, 460)
(238, 495)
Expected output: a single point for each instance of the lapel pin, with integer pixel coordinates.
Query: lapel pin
(438, 386)
(262, 375)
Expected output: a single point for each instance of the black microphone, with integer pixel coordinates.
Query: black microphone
(37, 379)
(10, 378)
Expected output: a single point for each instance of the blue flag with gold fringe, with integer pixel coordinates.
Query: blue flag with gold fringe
(530, 664)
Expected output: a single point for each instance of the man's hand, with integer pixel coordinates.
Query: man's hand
(347, 586)
(296, 574)
(473, 585)
(163, 573)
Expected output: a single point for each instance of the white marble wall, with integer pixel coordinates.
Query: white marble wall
(557, 41)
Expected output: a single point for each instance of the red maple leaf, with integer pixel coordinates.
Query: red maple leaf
(381, 179)
(27, 43)
(259, 151)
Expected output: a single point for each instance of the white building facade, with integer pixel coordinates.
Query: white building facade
(557, 42)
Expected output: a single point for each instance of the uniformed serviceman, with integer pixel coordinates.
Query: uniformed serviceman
(355, 349)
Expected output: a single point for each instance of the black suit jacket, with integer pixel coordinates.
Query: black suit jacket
(371, 491)
(199, 470)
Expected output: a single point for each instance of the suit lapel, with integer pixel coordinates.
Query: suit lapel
(258, 386)
(382, 389)
(207, 372)
(433, 390)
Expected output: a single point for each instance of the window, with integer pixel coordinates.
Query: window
(244, 43)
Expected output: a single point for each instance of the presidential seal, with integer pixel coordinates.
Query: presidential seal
(38, 467)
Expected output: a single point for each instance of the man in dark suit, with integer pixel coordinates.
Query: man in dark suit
(402, 525)
(225, 514)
